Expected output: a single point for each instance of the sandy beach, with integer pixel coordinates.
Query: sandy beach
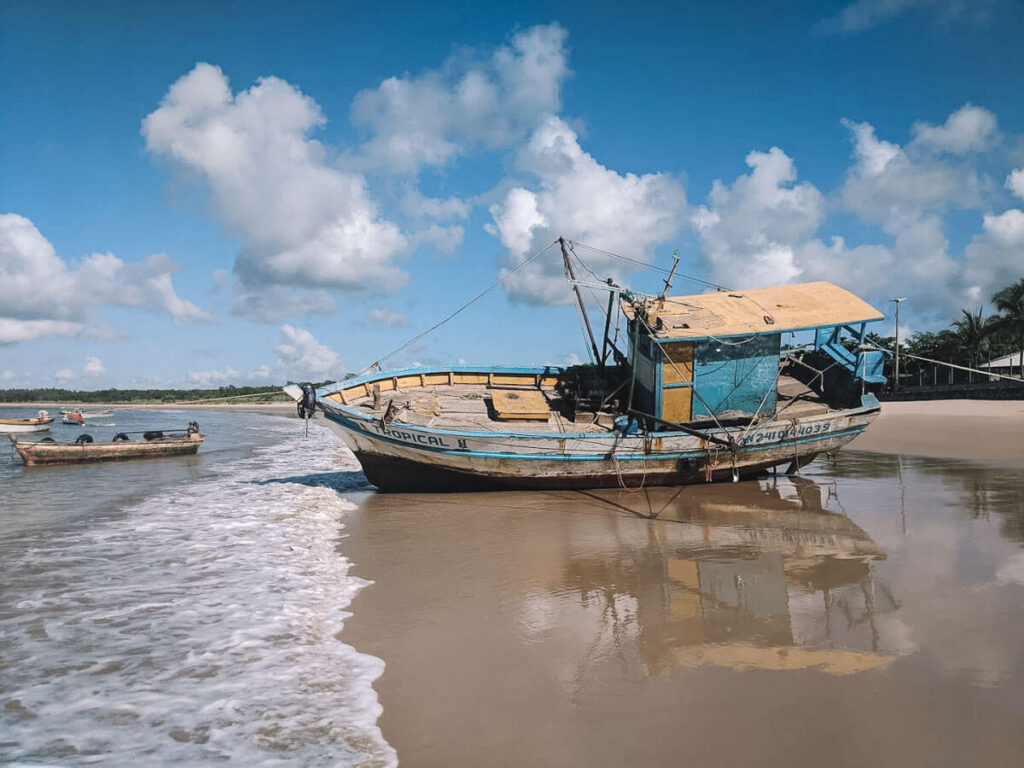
(990, 431)
(789, 621)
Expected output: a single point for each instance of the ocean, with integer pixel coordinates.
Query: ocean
(184, 611)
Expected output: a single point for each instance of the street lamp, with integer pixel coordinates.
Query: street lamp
(896, 366)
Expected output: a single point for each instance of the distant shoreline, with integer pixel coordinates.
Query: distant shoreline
(272, 407)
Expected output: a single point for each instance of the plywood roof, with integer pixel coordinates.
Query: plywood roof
(765, 310)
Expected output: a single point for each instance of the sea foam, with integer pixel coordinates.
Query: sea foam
(198, 627)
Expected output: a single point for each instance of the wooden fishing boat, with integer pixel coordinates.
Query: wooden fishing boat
(40, 423)
(154, 444)
(704, 392)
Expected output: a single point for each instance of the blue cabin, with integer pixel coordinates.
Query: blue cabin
(718, 355)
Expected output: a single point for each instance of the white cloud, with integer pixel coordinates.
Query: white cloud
(93, 366)
(387, 318)
(1015, 182)
(969, 129)
(995, 256)
(765, 227)
(162, 289)
(262, 373)
(302, 221)
(432, 118)
(12, 331)
(888, 183)
(750, 231)
(41, 295)
(445, 240)
(300, 355)
(575, 196)
(267, 303)
(65, 375)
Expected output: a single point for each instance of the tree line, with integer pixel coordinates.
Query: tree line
(971, 340)
(270, 394)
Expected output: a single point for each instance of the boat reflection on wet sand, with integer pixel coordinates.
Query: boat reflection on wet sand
(752, 575)
(760, 577)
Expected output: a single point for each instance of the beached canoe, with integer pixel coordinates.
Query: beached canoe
(85, 449)
(40, 423)
(706, 392)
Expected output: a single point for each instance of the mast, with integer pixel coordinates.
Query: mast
(579, 298)
(671, 274)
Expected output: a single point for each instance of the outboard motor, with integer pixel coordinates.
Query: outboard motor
(306, 407)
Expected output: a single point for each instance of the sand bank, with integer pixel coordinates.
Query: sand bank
(990, 431)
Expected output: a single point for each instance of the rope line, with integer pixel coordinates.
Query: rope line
(645, 265)
(431, 329)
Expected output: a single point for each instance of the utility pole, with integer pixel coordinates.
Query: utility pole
(896, 366)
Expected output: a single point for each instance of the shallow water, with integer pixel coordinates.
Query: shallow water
(259, 605)
(184, 611)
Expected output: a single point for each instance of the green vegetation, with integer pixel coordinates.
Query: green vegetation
(971, 340)
(230, 394)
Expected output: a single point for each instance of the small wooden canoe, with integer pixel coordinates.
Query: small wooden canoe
(40, 423)
(36, 452)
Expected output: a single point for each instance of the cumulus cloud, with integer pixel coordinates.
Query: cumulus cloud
(93, 366)
(387, 318)
(995, 256)
(573, 195)
(302, 356)
(444, 240)
(42, 295)
(303, 222)
(750, 231)
(432, 118)
(1015, 182)
(969, 129)
(766, 227)
(65, 375)
(888, 182)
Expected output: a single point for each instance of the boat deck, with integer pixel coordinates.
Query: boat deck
(471, 407)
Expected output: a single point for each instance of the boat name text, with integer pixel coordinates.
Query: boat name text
(417, 438)
(782, 434)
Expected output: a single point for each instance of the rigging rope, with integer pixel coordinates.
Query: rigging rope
(948, 365)
(431, 329)
(705, 283)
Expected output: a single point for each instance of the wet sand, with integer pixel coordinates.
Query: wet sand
(990, 431)
(865, 613)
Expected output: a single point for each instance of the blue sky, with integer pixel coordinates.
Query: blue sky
(197, 194)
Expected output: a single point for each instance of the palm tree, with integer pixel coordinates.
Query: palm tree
(974, 329)
(1010, 303)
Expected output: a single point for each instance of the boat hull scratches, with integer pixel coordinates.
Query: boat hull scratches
(397, 475)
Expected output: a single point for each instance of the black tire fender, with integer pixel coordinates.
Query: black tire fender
(83, 439)
(120, 436)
